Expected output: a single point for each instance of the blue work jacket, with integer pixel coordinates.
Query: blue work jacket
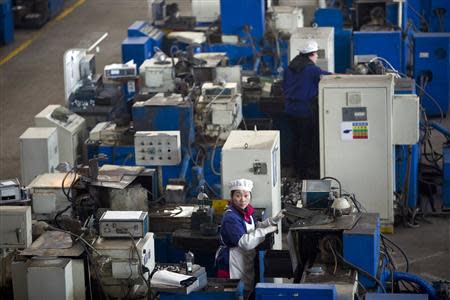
(300, 88)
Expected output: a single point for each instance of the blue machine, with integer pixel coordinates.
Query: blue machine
(362, 246)
(6, 23)
(386, 44)
(157, 114)
(269, 291)
(121, 155)
(332, 17)
(432, 70)
(430, 15)
(55, 7)
(235, 15)
(446, 185)
(144, 29)
(137, 48)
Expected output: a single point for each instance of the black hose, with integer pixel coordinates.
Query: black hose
(362, 271)
(399, 248)
(338, 182)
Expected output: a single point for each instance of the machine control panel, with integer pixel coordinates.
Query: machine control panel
(157, 148)
(124, 223)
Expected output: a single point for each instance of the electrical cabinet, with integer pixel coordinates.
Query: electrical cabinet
(50, 279)
(356, 138)
(255, 155)
(324, 36)
(39, 152)
(47, 194)
(157, 76)
(287, 18)
(123, 224)
(71, 130)
(406, 119)
(157, 148)
(15, 227)
(206, 10)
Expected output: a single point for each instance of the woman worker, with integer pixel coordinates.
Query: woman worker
(239, 235)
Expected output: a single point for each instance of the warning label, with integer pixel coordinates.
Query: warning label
(354, 131)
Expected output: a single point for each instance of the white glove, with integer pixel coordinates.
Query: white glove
(278, 217)
(252, 239)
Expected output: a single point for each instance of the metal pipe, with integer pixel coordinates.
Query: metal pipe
(184, 165)
(425, 285)
(441, 129)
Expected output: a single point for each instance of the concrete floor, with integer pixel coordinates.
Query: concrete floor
(34, 78)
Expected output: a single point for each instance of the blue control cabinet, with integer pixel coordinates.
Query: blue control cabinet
(235, 15)
(362, 246)
(386, 44)
(432, 70)
(138, 49)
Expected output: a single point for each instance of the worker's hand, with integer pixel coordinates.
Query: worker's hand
(270, 229)
(277, 218)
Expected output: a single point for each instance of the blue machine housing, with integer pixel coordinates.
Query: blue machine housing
(121, 155)
(137, 49)
(161, 115)
(446, 185)
(269, 291)
(386, 44)
(145, 29)
(55, 7)
(432, 61)
(401, 167)
(362, 246)
(6, 22)
(235, 15)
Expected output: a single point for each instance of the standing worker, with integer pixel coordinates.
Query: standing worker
(301, 89)
(239, 236)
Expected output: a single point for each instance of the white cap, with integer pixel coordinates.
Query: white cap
(309, 47)
(241, 184)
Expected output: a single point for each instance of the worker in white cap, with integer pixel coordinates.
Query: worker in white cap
(239, 235)
(301, 89)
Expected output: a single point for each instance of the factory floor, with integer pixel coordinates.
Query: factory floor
(33, 78)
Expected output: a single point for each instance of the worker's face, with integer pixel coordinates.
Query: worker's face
(241, 199)
(314, 56)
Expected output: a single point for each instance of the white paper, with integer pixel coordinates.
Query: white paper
(165, 277)
(120, 215)
(8, 182)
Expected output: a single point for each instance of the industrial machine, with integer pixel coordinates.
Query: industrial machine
(71, 130)
(218, 110)
(324, 36)
(260, 150)
(39, 152)
(15, 229)
(360, 122)
(85, 92)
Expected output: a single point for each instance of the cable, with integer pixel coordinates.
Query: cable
(399, 248)
(338, 182)
(78, 237)
(364, 272)
(213, 154)
(334, 256)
